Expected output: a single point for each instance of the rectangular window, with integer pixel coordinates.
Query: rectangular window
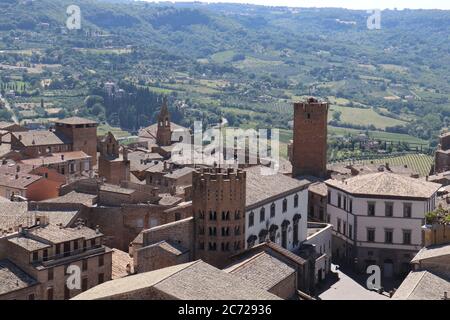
(371, 235)
(50, 274)
(66, 293)
(84, 284)
(345, 203)
(328, 218)
(344, 231)
(75, 245)
(35, 256)
(50, 293)
(101, 278)
(406, 236)
(84, 265)
(389, 209)
(407, 210)
(350, 231)
(371, 209)
(329, 197)
(339, 200)
(388, 236)
(101, 261)
(339, 225)
(350, 204)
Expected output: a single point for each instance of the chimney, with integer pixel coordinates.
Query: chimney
(97, 229)
(20, 137)
(445, 295)
(387, 166)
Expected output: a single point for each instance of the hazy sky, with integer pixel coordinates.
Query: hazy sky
(352, 4)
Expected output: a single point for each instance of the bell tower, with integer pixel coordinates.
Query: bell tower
(164, 132)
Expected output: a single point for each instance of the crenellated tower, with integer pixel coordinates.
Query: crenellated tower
(218, 205)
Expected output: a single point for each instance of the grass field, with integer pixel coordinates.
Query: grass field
(117, 132)
(420, 163)
(365, 117)
(223, 56)
(286, 135)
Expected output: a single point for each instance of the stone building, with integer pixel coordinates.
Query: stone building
(377, 219)
(82, 134)
(442, 154)
(189, 281)
(44, 253)
(317, 202)
(218, 206)
(113, 166)
(308, 151)
(275, 209)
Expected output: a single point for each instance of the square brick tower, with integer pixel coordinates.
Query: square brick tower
(218, 205)
(309, 147)
(83, 134)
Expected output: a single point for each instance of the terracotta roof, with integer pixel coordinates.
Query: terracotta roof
(18, 180)
(76, 120)
(75, 197)
(12, 278)
(190, 281)
(116, 189)
(169, 200)
(178, 173)
(201, 281)
(386, 184)
(58, 157)
(120, 260)
(432, 252)
(172, 247)
(55, 234)
(319, 188)
(40, 138)
(13, 214)
(150, 131)
(422, 285)
(262, 269)
(261, 188)
(141, 160)
(28, 244)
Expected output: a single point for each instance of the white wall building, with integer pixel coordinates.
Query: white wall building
(319, 235)
(276, 209)
(377, 219)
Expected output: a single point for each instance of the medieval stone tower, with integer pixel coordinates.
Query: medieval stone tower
(308, 152)
(164, 132)
(218, 205)
(82, 132)
(112, 165)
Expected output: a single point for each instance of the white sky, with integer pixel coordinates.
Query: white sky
(351, 4)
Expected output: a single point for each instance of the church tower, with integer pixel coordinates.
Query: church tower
(308, 152)
(218, 205)
(164, 132)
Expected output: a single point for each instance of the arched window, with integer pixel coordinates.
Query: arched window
(262, 215)
(296, 201)
(251, 219)
(272, 210)
(284, 205)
